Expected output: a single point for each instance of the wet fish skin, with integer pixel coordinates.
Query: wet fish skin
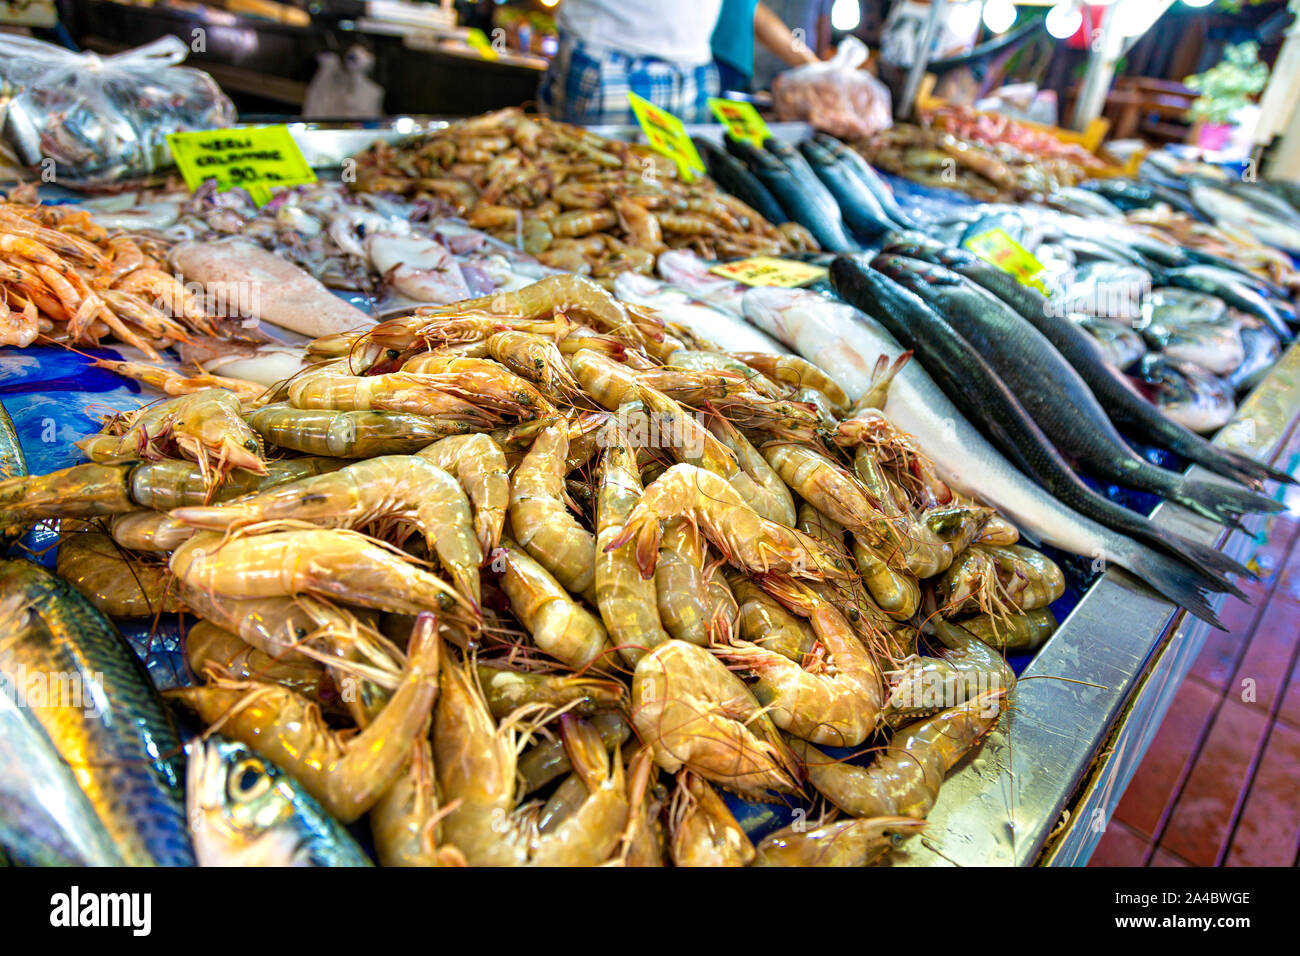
(862, 212)
(869, 178)
(1190, 395)
(735, 178)
(966, 377)
(121, 748)
(248, 812)
(1236, 294)
(1125, 406)
(801, 201)
(1054, 393)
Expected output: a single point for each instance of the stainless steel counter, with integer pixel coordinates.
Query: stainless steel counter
(1047, 780)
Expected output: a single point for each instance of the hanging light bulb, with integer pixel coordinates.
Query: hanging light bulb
(1198, 3)
(999, 15)
(846, 15)
(1063, 20)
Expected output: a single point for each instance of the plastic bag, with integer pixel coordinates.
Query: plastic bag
(84, 121)
(836, 96)
(342, 90)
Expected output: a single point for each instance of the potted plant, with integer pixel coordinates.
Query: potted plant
(1226, 88)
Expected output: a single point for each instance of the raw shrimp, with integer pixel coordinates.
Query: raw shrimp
(506, 691)
(345, 564)
(841, 843)
(744, 537)
(406, 487)
(796, 373)
(117, 583)
(81, 491)
(163, 485)
(837, 702)
(213, 651)
(350, 434)
(767, 494)
(965, 669)
(475, 763)
(546, 760)
(627, 601)
(346, 774)
(643, 842)
(764, 621)
(990, 578)
(479, 464)
(405, 821)
(897, 593)
(559, 625)
(206, 427)
(482, 381)
(695, 602)
(149, 531)
(1013, 633)
(704, 830)
(331, 387)
(536, 358)
(541, 522)
(697, 714)
(904, 779)
(174, 383)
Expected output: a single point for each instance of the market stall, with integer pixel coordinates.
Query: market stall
(504, 491)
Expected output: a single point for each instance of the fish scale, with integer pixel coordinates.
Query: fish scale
(126, 760)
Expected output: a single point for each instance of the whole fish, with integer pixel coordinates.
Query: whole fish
(868, 176)
(686, 271)
(804, 201)
(248, 812)
(862, 211)
(846, 344)
(1122, 402)
(1232, 211)
(1083, 202)
(733, 176)
(1054, 393)
(1119, 343)
(726, 331)
(1190, 327)
(1187, 394)
(1262, 350)
(90, 764)
(1239, 295)
(966, 377)
(1129, 194)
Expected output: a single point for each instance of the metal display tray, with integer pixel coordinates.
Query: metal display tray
(1087, 706)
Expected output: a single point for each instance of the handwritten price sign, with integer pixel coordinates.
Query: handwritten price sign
(770, 271)
(254, 159)
(999, 249)
(741, 119)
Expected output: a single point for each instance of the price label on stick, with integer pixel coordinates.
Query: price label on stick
(999, 249)
(666, 134)
(770, 271)
(254, 159)
(741, 119)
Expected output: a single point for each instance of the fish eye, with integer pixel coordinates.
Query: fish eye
(251, 445)
(248, 780)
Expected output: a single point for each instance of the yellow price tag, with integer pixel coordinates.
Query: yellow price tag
(666, 134)
(770, 271)
(479, 41)
(998, 248)
(255, 159)
(741, 119)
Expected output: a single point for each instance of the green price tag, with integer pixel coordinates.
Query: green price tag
(477, 39)
(998, 248)
(741, 119)
(666, 134)
(255, 159)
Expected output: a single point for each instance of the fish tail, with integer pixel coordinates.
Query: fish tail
(1248, 468)
(1223, 503)
(1173, 579)
(1214, 565)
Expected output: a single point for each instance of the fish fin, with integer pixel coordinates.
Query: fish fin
(1250, 468)
(1177, 582)
(1224, 503)
(1211, 563)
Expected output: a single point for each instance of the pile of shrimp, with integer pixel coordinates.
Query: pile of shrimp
(65, 279)
(578, 201)
(538, 578)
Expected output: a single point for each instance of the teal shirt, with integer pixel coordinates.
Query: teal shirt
(733, 37)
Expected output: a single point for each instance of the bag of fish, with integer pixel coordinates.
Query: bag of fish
(836, 97)
(85, 121)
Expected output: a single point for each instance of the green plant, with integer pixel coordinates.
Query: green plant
(1228, 85)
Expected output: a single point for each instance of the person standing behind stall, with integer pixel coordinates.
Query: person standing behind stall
(808, 21)
(658, 50)
(742, 26)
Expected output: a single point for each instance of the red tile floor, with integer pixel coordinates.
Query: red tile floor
(1220, 784)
